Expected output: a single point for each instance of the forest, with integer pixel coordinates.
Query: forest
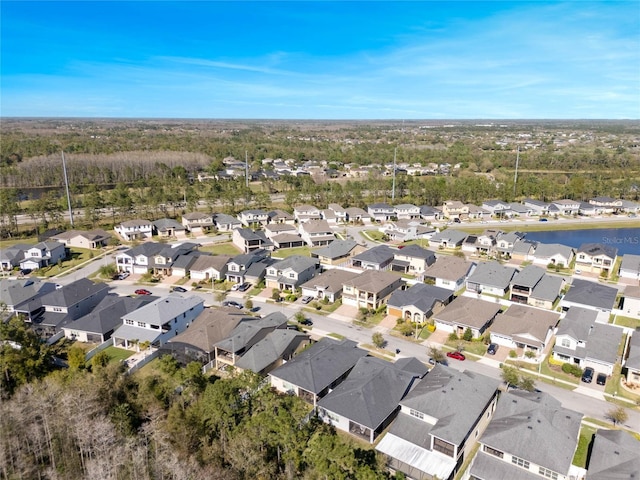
(96, 422)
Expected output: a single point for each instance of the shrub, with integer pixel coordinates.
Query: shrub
(453, 336)
(431, 327)
(512, 354)
(572, 369)
(468, 335)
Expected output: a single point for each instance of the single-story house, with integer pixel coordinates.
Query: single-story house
(467, 312)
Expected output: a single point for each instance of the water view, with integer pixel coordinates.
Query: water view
(626, 240)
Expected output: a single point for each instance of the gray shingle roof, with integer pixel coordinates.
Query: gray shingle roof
(547, 250)
(448, 268)
(594, 249)
(455, 399)
(321, 364)
(416, 251)
(535, 427)
(269, 349)
(331, 280)
(630, 263)
(422, 296)
(614, 456)
(336, 249)
(526, 325)
(107, 315)
(633, 360)
(450, 236)
(468, 312)
(211, 326)
(371, 392)
(249, 332)
(548, 288)
(378, 255)
(164, 309)
(528, 277)
(492, 274)
(591, 294)
(73, 293)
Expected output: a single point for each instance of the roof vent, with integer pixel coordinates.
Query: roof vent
(616, 452)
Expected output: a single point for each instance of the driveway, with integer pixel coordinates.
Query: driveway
(345, 313)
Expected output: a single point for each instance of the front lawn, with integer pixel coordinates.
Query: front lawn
(289, 252)
(477, 348)
(626, 321)
(224, 248)
(582, 450)
(75, 258)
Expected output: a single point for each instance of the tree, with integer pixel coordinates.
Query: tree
(617, 415)
(526, 383)
(75, 357)
(299, 317)
(275, 295)
(510, 376)
(378, 340)
(437, 354)
(468, 335)
(248, 304)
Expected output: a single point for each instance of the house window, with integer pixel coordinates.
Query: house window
(493, 451)
(128, 322)
(443, 447)
(291, 275)
(142, 324)
(520, 462)
(566, 343)
(545, 472)
(417, 414)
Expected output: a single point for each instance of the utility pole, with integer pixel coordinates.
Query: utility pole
(246, 169)
(515, 178)
(66, 184)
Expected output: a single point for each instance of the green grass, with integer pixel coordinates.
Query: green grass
(374, 235)
(10, 242)
(626, 321)
(582, 450)
(117, 354)
(337, 336)
(289, 252)
(477, 348)
(76, 257)
(226, 248)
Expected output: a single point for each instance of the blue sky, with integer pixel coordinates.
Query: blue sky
(321, 60)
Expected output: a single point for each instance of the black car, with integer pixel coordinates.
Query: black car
(601, 379)
(492, 349)
(307, 322)
(179, 289)
(587, 375)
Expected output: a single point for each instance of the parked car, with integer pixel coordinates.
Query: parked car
(544, 220)
(456, 355)
(179, 289)
(587, 375)
(123, 275)
(578, 272)
(306, 321)
(492, 349)
(231, 303)
(142, 291)
(306, 299)
(235, 286)
(601, 379)
(244, 287)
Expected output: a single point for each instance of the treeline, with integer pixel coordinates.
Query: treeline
(176, 423)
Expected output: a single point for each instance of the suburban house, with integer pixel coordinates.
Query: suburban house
(523, 251)
(407, 211)
(584, 293)
(211, 326)
(358, 215)
(614, 455)
(449, 238)
(339, 214)
(606, 204)
(554, 254)
(42, 255)
(253, 217)
(209, 267)
(596, 257)
(158, 321)
(225, 223)
(244, 336)
(418, 303)
(567, 207)
(314, 372)
(376, 258)
(455, 209)
(337, 252)
(491, 278)
(404, 230)
(546, 292)
(524, 329)
(291, 273)
(197, 223)
(530, 436)
(412, 259)
(476, 212)
(99, 324)
(381, 212)
(134, 230)
(92, 239)
(632, 363)
(22, 296)
(63, 305)
(506, 241)
(138, 259)
(438, 424)
(466, 312)
(584, 341)
(306, 213)
(449, 272)
(162, 262)
(483, 244)
(167, 228)
(586, 209)
(630, 304)
(368, 400)
(278, 347)
(370, 289)
(280, 216)
(237, 267)
(11, 257)
(630, 267)
(246, 240)
(316, 233)
(274, 229)
(537, 207)
(497, 208)
(519, 210)
(524, 281)
(327, 285)
(430, 214)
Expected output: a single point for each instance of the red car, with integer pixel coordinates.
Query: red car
(142, 291)
(456, 355)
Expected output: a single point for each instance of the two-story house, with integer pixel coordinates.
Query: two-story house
(370, 289)
(566, 206)
(306, 213)
(226, 223)
(138, 259)
(537, 207)
(238, 266)
(407, 211)
(22, 296)
(491, 278)
(452, 209)
(505, 242)
(412, 259)
(198, 223)
(137, 229)
(596, 257)
(162, 262)
(530, 436)
(158, 321)
(168, 228)
(42, 255)
(316, 233)
(497, 208)
(582, 340)
(292, 272)
(339, 214)
(367, 401)
(253, 217)
(376, 258)
(381, 212)
(438, 424)
(280, 216)
(246, 240)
